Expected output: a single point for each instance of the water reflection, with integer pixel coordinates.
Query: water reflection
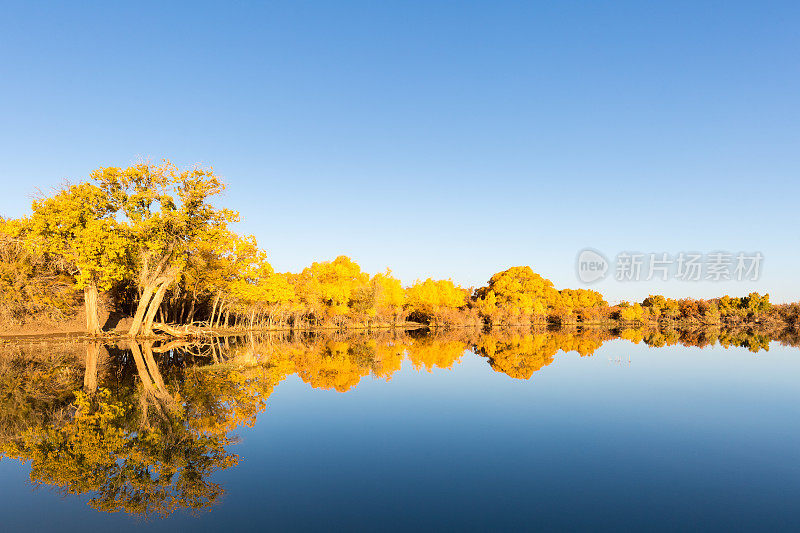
(141, 427)
(132, 446)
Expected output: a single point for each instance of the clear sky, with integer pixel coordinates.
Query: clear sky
(444, 139)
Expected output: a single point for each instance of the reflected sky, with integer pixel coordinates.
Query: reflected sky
(631, 436)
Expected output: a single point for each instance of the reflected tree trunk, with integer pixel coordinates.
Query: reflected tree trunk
(148, 370)
(141, 368)
(214, 357)
(90, 371)
(154, 391)
(152, 367)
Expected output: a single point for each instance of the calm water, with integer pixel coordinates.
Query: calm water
(469, 431)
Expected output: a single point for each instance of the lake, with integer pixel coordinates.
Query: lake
(463, 430)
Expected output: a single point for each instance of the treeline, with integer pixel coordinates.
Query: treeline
(753, 309)
(149, 242)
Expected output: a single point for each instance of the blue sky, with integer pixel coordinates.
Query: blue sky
(444, 139)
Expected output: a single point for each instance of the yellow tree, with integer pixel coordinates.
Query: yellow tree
(756, 304)
(330, 286)
(487, 305)
(30, 284)
(205, 275)
(582, 298)
(165, 210)
(277, 293)
(243, 266)
(77, 225)
(434, 298)
(634, 313)
(388, 294)
(522, 289)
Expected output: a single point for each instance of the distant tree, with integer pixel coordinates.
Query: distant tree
(389, 296)
(655, 303)
(434, 298)
(671, 309)
(328, 288)
(521, 288)
(632, 313)
(689, 308)
(755, 304)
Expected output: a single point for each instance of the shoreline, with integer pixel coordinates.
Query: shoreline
(74, 333)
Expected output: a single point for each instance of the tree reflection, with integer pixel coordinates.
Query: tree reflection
(133, 449)
(705, 337)
(520, 353)
(141, 427)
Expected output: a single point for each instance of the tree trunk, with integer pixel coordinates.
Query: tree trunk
(190, 318)
(90, 300)
(155, 305)
(149, 280)
(213, 310)
(172, 306)
(141, 309)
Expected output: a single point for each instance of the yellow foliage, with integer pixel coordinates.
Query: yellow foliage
(329, 286)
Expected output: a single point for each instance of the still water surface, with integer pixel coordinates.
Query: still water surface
(548, 430)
